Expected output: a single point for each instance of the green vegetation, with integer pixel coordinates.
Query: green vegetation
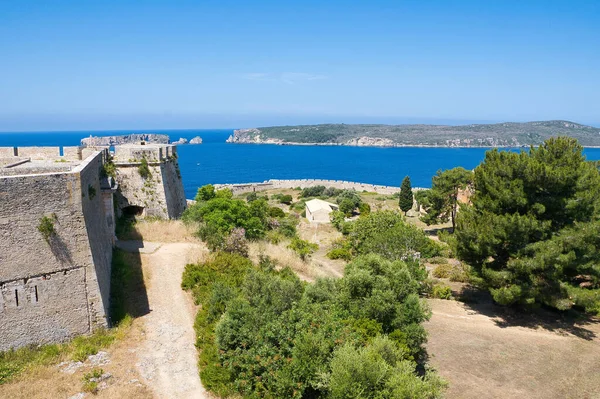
(144, 169)
(387, 234)
(218, 214)
(108, 168)
(264, 333)
(441, 292)
(441, 202)
(405, 200)
(91, 191)
(286, 199)
(483, 135)
(303, 248)
(532, 232)
(90, 380)
(46, 226)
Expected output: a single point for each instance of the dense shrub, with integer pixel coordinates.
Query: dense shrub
(286, 199)
(441, 292)
(442, 271)
(220, 214)
(315, 191)
(252, 196)
(387, 234)
(263, 333)
(276, 212)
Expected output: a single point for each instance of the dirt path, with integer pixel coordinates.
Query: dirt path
(167, 357)
(483, 354)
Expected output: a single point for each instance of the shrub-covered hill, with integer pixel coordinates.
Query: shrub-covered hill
(509, 134)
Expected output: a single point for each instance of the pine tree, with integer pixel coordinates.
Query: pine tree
(441, 202)
(406, 195)
(532, 230)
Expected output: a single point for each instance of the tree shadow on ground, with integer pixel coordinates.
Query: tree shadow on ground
(571, 322)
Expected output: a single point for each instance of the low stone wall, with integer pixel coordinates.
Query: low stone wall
(303, 183)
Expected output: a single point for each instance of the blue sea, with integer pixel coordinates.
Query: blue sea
(215, 161)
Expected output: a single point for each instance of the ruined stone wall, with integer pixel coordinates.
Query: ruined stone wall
(303, 183)
(55, 288)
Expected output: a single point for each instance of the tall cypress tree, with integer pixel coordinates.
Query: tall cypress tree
(406, 195)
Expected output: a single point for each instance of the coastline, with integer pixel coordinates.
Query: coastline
(378, 146)
(239, 188)
(525, 146)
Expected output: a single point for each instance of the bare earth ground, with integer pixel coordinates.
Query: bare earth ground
(167, 358)
(485, 351)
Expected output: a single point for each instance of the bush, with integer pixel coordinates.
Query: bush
(46, 226)
(303, 248)
(286, 199)
(251, 197)
(338, 219)
(347, 207)
(441, 292)
(442, 271)
(315, 191)
(461, 273)
(205, 193)
(387, 234)
(276, 212)
(340, 253)
(263, 333)
(236, 242)
(364, 209)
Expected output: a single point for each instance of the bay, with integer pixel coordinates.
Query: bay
(215, 161)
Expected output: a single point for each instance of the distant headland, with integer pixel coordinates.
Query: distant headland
(508, 134)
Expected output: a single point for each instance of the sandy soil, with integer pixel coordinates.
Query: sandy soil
(167, 357)
(486, 351)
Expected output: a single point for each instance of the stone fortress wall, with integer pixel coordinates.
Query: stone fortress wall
(303, 183)
(56, 287)
(161, 194)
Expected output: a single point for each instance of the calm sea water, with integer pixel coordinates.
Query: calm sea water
(215, 161)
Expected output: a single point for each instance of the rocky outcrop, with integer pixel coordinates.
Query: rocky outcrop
(370, 142)
(196, 140)
(251, 136)
(135, 138)
(180, 141)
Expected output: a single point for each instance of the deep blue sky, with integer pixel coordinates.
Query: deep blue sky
(210, 64)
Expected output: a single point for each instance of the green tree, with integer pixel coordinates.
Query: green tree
(406, 196)
(533, 228)
(387, 234)
(205, 193)
(347, 207)
(441, 202)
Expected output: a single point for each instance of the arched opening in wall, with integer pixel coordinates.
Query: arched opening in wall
(133, 210)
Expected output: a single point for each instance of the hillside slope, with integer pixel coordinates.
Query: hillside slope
(509, 134)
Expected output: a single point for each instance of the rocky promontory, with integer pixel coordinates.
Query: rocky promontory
(94, 141)
(180, 141)
(506, 134)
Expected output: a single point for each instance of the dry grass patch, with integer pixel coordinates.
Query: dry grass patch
(283, 256)
(165, 231)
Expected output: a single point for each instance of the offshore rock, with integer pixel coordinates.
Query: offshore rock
(180, 141)
(196, 140)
